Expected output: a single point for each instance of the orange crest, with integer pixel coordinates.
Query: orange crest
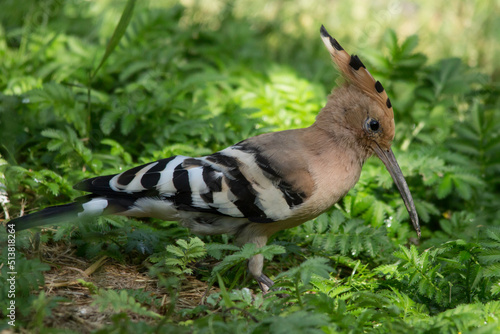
(355, 72)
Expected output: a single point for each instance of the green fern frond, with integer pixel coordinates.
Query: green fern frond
(121, 302)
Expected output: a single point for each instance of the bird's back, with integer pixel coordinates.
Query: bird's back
(238, 182)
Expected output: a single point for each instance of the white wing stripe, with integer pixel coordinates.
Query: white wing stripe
(95, 206)
(135, 185)
(166, 183)
(196, 182)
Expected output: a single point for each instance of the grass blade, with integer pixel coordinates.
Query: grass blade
(118, 33)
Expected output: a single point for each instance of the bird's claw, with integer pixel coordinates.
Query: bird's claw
(265, 284)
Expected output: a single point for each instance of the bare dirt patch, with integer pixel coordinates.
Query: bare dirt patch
(77, 312)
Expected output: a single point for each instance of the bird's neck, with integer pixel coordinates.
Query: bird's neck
(335, 140)
(334, 165)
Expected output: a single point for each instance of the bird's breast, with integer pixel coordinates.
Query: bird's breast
(334, 175)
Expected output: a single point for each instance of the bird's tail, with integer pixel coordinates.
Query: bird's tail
(84, 207)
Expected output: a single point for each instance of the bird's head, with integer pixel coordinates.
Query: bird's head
(364, 111)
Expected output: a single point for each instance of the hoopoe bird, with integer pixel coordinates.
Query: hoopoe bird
(260, 185)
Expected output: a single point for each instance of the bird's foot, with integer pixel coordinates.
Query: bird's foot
(265, 284)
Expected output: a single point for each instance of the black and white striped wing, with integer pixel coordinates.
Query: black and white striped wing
(228, 183)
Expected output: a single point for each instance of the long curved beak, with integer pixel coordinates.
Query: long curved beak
(392, 166)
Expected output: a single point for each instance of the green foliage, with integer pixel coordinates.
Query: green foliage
(29, 274)
(304, 273)
(28, 278)
(92, 88)
(121, 302)
(178, 258)
(421, 270)
(453, 273)
(216, 250)
(41, 308)
(335, 234)
(296, 322)
(239, 259)
(118, 33)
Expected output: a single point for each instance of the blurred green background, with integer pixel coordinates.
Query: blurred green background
(194, 77)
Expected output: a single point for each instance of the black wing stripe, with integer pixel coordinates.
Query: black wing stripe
(212, 179)
(161, 164)
(150, 180)
(95, 183)
(193, 162)
(181, 183)
(241, 188)
(260, 160)
(126, 177)
(207, 197)
(292, 198)
(223, 160)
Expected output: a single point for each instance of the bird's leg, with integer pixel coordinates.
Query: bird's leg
(265, 283)
(255, 265)
(252, 233)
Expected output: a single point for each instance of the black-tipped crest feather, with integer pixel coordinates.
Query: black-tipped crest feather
(355, 72)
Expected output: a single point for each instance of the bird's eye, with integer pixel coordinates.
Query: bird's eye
(373, 125)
